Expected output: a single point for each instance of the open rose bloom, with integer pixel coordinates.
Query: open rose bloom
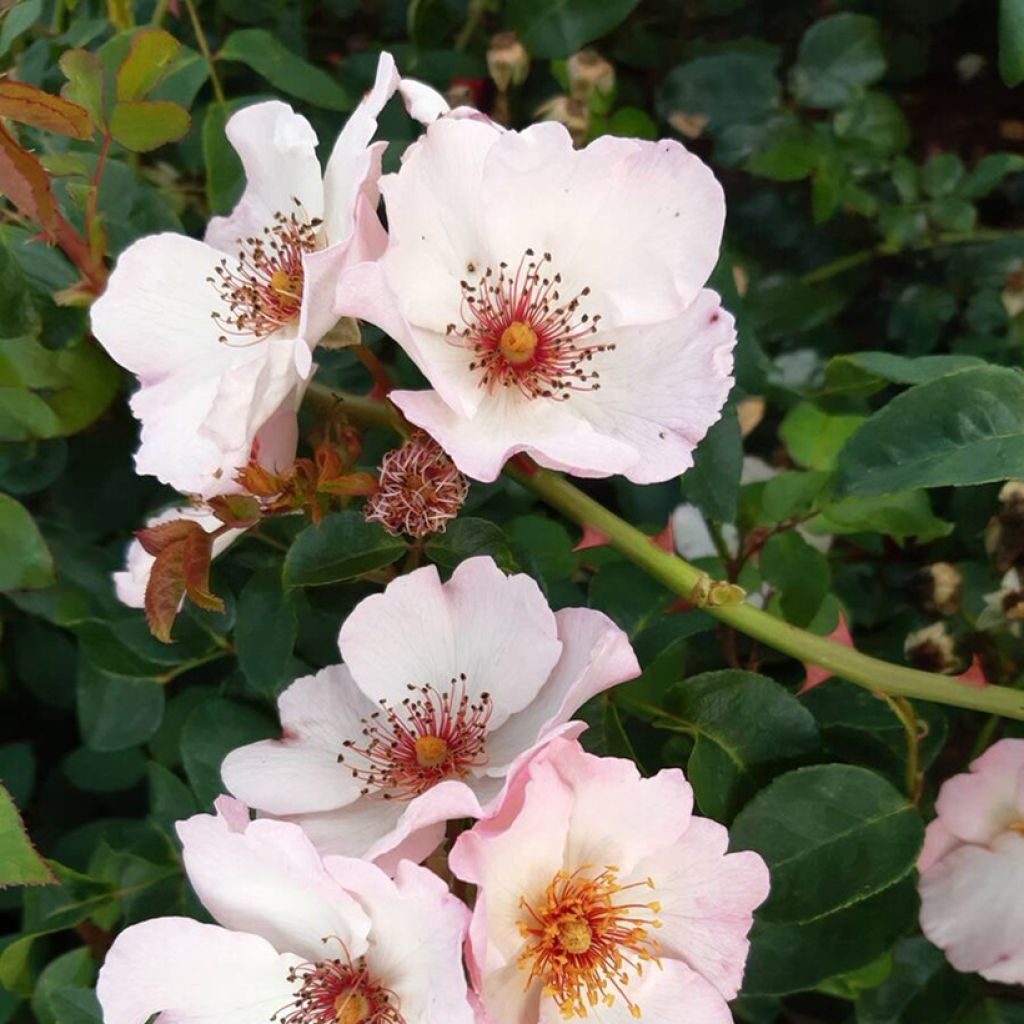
(553, 298)
(299, 939)
(601, 897)
(972, 867)
(443, 687)
(220, 333)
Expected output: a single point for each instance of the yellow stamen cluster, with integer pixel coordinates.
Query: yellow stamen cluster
(584, 945)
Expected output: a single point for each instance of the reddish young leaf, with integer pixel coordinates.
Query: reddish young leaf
(29, 105)
(155, 539)
(26, 184)
(165, 589)
(197, 553)
(236, 510)
(356, 484)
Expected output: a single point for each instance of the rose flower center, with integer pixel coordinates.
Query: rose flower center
(262, 287)
(432, 736)
(522, 333)
(337, 991)
(583, 942)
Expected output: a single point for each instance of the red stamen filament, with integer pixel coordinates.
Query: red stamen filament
(262, 288)
(522, 333)
(582, 945)
(431, 737)
(336, 991)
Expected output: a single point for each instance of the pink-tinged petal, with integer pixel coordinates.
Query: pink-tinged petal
(639, 223)
(276, 441)
(300, 772)
(192, 973)
(235, 813)
(155, 316)
(506, 998)
(938, 841)
(497, 630)
(662, 387)
(815, 675)
(971, 908)
(278, 151)
(508, 423)
(707, 898)
(596, 655)
(672, 995)
(979, 804)
(269, 880)
(416, 936)
(352, 830)
(423, 103)
(353, 165)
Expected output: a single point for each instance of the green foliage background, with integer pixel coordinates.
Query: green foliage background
(874, 258)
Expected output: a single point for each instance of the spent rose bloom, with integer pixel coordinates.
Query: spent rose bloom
(601, 896)
(972, 867)
(299, 939)
(220, 333)
(443, 687)
(130, 583)
(553, 298)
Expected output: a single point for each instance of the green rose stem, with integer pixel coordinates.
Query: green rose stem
(682, 578)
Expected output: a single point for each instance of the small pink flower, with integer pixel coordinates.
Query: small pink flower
(220, 333)
(299, 939)
(420, 489)
(600, 896)
(972, 867)
(553, 298)
(443, 687)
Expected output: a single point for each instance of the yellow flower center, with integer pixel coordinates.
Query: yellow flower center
(431, 751)
(518, 343)
(351, 1007)
(287, 285)
(583, 944)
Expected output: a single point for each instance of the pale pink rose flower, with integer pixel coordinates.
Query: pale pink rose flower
(220, 333)
(553, 297)
(443, 687)
(972, 867)
(299, 939)
(601, 896)
(131, 582)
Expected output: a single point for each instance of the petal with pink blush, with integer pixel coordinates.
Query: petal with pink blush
(300, 773)
(278, 151)
(707, 898)
(485, 625)
(938, 841)
(978, 805)
(194, 973)
(508, 423)
(269, 880)
(971, 908)
(596, 655)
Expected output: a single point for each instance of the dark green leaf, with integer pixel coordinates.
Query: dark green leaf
(268, 56)
(558, 28)
(832, 835)
(864, 373)
(265, 631)
(465, 538)
(27, 562)
(225, 177)
(114, 711)
(838, 56)
(342, 547)
(900, 516)
(713, 481)
(1011, 41)
(799, 572)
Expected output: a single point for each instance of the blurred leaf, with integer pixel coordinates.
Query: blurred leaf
(467, 537)
(745, 728)
(991, 170)
(19, 862)
(225, 177)
(814, 437)
(941, 174)
(151, 54)
(342, 547)
(1011, 41)
(268, 56)
(27, 562)
(799, 572)
(864, 373)
(832, 835)
(875, 122)
(18, 19)
(900, 516)
(265, 631)
(560, 29)
(838, 56)
(142, 125)
(964, 428)
(75, 969)
(29, 105)
(712, 483)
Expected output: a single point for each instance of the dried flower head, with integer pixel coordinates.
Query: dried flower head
(507, 60)
(589, 73)
(932, 649)
(937, 588)
(420, 489)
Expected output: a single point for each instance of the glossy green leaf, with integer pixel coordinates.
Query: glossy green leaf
(342, 547)
(745, 727)
(815, 437)
(269, 57)
(864, 373)
(467, 537)
(20, 864)
(712, 483)
(832, 835)
(265, 631)
(964, 428)
(26, 562)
